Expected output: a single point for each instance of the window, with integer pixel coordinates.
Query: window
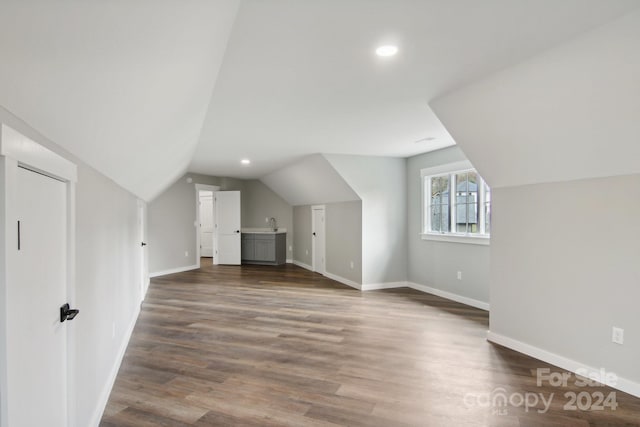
(456, 205)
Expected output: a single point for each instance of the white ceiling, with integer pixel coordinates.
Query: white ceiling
(127, 86)
(300, 77)
(569, 113)
(312, 180)
(124, 85)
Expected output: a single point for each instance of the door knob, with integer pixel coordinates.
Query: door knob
(314, 233)
(67, 313)
(237, 231)
(143, 244)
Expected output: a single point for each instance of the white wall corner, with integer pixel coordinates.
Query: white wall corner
(301, 264)
(106, 390)
(570, 365)
(343, 280)
(174, 270)
(386, 285)
(450, 296)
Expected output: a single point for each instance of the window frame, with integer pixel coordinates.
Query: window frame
(451, 169)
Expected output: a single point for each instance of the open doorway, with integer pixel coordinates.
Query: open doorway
(205, 220)
(206, 224)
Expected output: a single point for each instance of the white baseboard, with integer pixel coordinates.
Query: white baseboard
(448, 295)
(386, 285)
(571, 365)
(343, 280)
(302, 264)
(174, 270)
(289, 261)
(106, 390)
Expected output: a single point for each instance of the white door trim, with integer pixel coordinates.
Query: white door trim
(18, 150)
(313, 241)
(201, 187)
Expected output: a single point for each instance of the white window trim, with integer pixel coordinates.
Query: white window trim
(467, 238)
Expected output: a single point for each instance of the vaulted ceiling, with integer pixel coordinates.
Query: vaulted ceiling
(145, 90)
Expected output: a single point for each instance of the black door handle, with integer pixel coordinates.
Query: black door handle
(143, 244)
(314, 233)
(237, 231)
(67, 313)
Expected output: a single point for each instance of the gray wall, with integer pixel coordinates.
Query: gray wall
(172, 216)
(381, 183)
(564, 269)
(108, 276)
(260, 202)
(343, 233)
(302, 234)
(344, 239)
(433, 263)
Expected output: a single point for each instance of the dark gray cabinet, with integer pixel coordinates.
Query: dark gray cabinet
(264, 248)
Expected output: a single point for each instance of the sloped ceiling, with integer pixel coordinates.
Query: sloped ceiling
(312, 180)
(301, 77)
(124, 85)
(569, 113)
(143, 90)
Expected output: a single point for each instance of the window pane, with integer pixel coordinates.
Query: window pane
(440, 189)
(487, 209)
(440, 203)
(467, 202)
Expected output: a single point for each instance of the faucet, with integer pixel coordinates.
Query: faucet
(272, 224)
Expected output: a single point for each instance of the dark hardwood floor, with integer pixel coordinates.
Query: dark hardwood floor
(281, 346)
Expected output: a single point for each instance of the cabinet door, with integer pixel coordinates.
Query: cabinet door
(248, 247)
(265, 250)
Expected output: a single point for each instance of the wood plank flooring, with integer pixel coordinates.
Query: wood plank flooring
(281, 346)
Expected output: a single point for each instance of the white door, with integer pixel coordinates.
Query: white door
(227, 213)
(206, 224)
(318, 236)
(144, 253)
(37, 340)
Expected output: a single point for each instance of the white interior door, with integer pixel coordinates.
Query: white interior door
(206, 224)
(144, 253)
(318, 236)
(37, 340)
(227, 230)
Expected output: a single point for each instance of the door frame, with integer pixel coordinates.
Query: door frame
(18, 150)
(203, 187)
(313, 240)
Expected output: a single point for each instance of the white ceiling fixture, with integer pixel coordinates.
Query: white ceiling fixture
(387, 50)
(427, 139)
(245, 162)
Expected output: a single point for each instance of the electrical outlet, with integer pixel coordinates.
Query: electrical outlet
(290, 248)
(351, 265)
(617, 335)
(459, 275)
(306, 252)
(186, 253)
(266, 220)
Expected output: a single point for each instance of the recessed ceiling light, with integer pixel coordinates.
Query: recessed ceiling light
(427, 139)
(245, 161)
(387, 50)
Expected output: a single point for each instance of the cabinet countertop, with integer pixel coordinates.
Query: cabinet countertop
(263, 231)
